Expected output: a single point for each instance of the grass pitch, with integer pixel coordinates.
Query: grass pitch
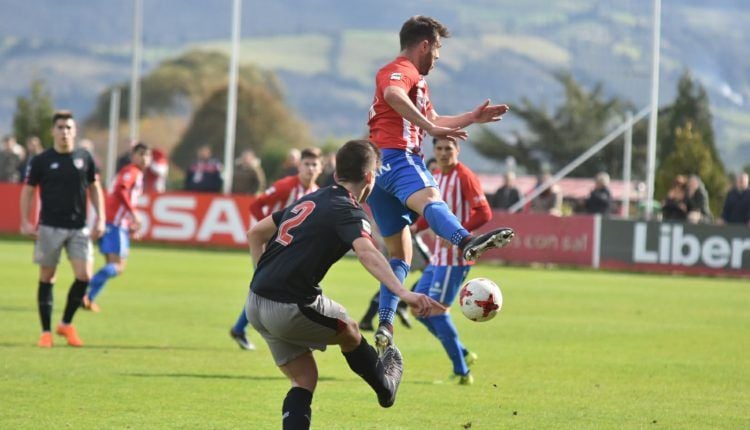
(570, 350)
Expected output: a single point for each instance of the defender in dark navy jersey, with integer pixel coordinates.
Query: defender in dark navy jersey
(293, 249)
(64, 175)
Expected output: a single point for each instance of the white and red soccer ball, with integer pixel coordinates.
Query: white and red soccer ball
(480, 299)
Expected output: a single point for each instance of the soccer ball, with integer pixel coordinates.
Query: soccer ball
(480, 299)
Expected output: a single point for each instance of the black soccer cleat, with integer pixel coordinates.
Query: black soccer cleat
(402, 311)
(390, 368)
(477, 245)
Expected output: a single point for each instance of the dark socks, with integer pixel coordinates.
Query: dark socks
(75, 298)
(44, 303)
(373, 309)
(296, 412)
(363, 360)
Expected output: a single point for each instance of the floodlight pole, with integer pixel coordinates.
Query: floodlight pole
(653, 118)
(231, 125)
(114, 125)
(627, 157)
(134, 108)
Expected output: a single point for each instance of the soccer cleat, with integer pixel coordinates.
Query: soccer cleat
(390, 368)
(366, 326)
(89, 305)
(45, 340)
(383, 339)
(470, 358)
(242, 340)
(477, 245)
(403, 315)
(455, 379)
(69, 333)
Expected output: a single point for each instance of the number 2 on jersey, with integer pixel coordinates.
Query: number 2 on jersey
(301, 211)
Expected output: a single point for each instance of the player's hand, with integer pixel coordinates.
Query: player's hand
(422, 305)
(488, 113)
(98, 229)
(453, 134)
(28, 229)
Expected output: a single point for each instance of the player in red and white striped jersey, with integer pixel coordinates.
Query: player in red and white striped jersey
(122, 221)
(460, 189)
(279, 195)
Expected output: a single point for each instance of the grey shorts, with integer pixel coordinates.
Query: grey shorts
(51, 240)
(291, 330)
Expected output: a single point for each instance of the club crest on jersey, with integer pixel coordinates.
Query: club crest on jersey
(366, 227)
(396, 76)
(78, 162)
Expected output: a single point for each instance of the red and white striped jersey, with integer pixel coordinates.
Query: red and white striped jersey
(461, 191)
(388, 129)
(123, 194)
(279, 195)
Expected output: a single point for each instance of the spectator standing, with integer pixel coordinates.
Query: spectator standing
(329, 168)
(289, 167)
(249, 177)
(696, 200)
(124, 158)
(33, 147)
(508, 194)
(9, 161)
(550, 200)
(600, 199)
(737, 204)
(205, 175)
(674, 207)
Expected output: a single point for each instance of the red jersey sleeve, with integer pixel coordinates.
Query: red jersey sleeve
(124, 186)
(472, 191)
(277, 192)
(397, 76)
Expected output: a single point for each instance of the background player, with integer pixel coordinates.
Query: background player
(442, 278)
(64, 174)
(122, 221)
(286, 305)
(399, 117)
(279, 195)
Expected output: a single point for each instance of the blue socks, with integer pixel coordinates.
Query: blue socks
(239, 326)
(388, 300)
(444, 223)
(448, 336)
(101, 277)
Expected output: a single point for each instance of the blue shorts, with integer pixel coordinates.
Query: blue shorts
(116, 240)
(401, 175)
(442, 283)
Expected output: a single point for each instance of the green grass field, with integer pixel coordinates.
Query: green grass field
(570, 350)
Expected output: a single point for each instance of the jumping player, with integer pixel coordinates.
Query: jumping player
(442, 278)
(399, 118)
(279, 195)
(293, 249)
(122, 221)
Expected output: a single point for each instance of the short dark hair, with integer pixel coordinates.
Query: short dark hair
(419, 28)
(354, 158)
(139, 147)
(62, 114)
(310, 153)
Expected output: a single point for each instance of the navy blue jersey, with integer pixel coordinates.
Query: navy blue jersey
(313, 233)
(63, 179)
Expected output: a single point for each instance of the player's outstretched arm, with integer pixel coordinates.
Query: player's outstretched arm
(377, 265)
(397, 98)
(483, 113)
(258, 236)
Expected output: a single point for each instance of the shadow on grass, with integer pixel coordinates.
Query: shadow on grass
(216, 376)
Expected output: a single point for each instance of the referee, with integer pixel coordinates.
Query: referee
(64, 175)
